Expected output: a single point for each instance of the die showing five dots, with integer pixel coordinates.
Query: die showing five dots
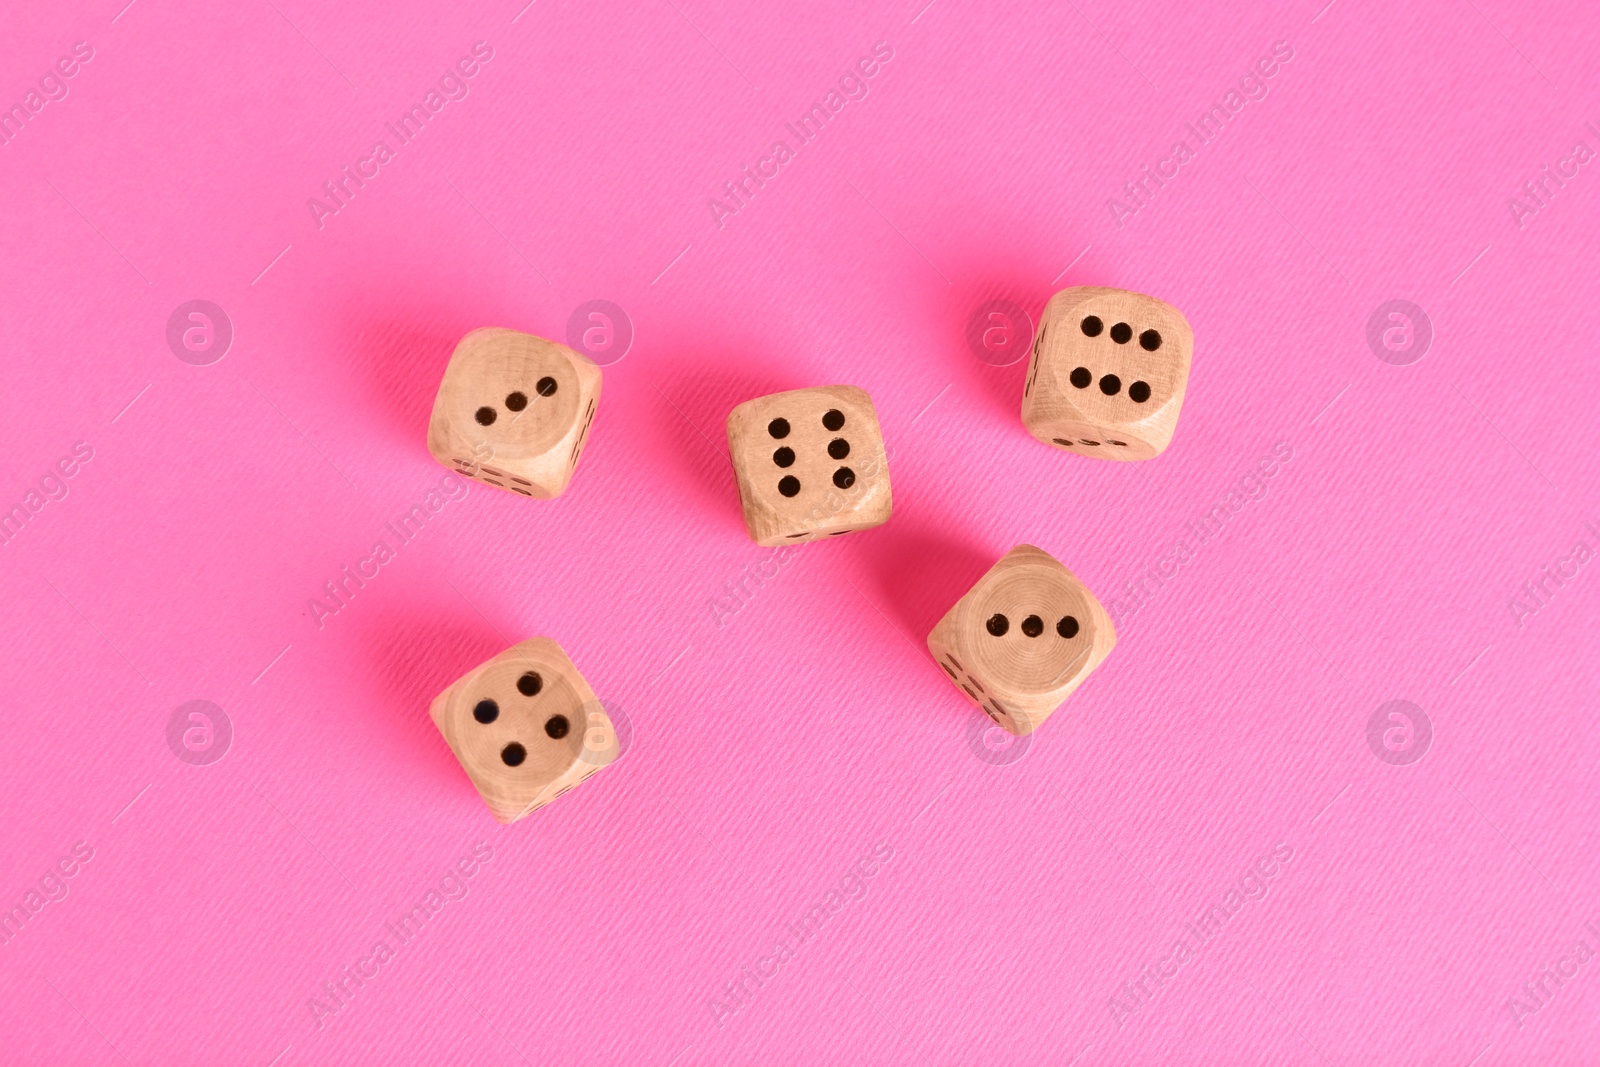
(514, 411)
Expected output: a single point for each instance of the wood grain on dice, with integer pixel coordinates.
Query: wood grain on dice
(514, 411)
(1108, 373)
(810, 463)
(1022, 639)
(526, 727)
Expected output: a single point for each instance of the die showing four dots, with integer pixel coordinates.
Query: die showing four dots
(526, 727)
(514, 412)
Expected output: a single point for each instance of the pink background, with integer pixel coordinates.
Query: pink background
(775, 745)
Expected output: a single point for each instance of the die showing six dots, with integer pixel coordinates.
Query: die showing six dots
(1121, 333)
(838, 448)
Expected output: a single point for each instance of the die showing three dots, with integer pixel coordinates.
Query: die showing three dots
(514, 412)
(997, 625)
(516, 402)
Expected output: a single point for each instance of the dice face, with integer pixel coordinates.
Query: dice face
(1108, 373)
(514, 411)
(1022, 639)
(526, 727)
(810, 463)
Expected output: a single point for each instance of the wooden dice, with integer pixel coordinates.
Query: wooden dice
(1023, 639)
(526, 727)
(810, 463)
(514, 411)
(1108, 373)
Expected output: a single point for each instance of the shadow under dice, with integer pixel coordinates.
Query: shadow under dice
(810, 463)
(526, 727)
(1022, 639)
(513, 411)
(1108, 373)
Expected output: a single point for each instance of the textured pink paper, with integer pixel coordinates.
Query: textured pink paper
(790, 738)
